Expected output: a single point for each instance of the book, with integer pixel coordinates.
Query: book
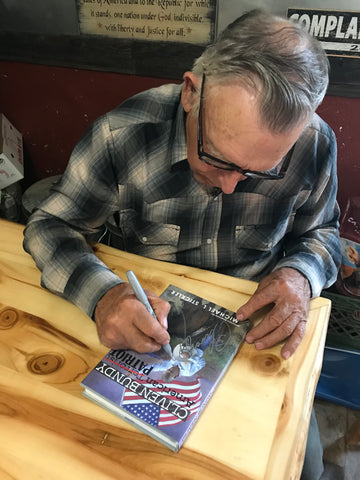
(163, 396)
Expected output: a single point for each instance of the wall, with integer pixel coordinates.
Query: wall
(52, 106)
(342, 114)
(51, 36)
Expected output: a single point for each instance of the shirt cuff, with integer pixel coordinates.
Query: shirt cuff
(89, 283)
(305, 268)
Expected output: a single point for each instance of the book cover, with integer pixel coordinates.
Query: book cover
(162, 395)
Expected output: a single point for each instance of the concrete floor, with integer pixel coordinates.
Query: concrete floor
(340, 434)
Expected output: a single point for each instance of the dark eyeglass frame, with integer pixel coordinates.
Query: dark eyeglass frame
(222, 165)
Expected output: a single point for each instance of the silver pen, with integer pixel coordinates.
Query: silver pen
(141, 296)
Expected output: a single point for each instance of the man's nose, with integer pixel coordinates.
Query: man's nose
(229, 180)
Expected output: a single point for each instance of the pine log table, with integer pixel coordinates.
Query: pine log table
(254, 427)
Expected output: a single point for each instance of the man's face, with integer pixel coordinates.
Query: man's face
(233, 132)
(173, 371)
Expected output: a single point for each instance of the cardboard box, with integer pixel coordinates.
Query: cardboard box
(11, 153)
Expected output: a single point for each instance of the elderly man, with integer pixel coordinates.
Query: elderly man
(231, 171)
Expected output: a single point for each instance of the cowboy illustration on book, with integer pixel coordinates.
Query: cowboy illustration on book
(188, 355)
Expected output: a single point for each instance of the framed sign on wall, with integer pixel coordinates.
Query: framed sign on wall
(335, 23)
(339, 33)
(155, 38)
(186, 21)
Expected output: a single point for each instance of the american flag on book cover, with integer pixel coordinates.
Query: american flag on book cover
(156, 416)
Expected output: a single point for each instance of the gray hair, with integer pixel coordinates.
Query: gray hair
(291, 66)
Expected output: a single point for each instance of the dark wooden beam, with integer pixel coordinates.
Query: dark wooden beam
(139, 57)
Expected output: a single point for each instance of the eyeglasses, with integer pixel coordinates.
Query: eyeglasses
(217, 163)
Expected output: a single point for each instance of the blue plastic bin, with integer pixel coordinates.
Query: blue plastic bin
(340, 377)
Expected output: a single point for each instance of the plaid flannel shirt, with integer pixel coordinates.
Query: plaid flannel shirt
(129, 171)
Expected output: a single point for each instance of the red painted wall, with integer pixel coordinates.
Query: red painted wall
(342, 114)
(52, 107)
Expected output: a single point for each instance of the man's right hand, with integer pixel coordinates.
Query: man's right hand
(123, 322)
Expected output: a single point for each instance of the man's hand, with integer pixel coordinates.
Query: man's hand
(123, 322)
(289, 291)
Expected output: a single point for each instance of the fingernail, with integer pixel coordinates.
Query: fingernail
(286, 355)
(249, 339)
(258, 345)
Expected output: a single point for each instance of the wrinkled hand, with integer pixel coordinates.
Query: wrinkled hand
(123, 322)
(289, 291)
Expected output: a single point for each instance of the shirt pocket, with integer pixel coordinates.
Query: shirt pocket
(144, 237)
(262, 237)
(262, 222)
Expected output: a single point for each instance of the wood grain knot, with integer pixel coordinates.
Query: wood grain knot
(266, 363)
(8, 318)
(45, 363)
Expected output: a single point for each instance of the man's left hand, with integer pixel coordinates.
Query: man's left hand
(289, 292)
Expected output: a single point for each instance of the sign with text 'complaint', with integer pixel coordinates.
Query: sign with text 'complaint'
(190, 21)
(338, 31)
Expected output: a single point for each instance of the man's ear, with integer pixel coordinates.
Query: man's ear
(188, 94)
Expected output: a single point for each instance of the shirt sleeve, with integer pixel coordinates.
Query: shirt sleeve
(313, 245)
(81, 202)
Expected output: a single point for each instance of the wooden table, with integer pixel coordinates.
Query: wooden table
(254, 427)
